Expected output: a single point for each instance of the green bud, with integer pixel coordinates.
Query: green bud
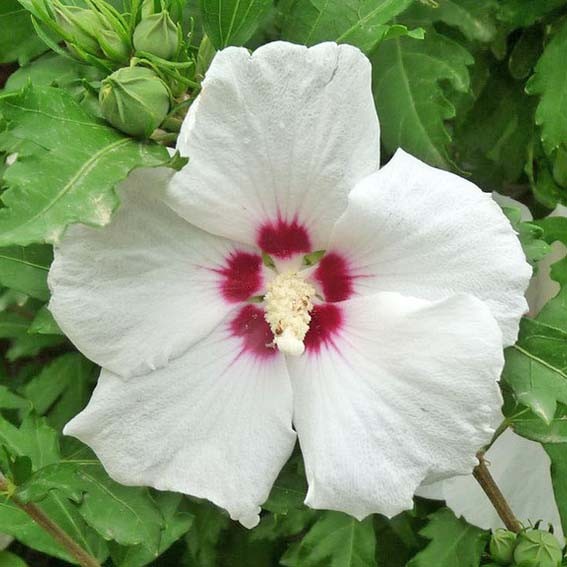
(536, 548)
(113, 46)
(157, 34)
(502, 545)
(149, 7)
(81, 25)
(205, 56)
(134, 100)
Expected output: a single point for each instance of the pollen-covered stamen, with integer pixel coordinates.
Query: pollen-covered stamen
(288, 311)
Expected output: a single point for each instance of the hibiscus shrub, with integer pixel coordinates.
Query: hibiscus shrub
(91, 90)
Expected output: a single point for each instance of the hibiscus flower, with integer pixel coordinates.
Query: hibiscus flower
(281, 285)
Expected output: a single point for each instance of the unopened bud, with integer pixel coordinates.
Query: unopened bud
(157, 34)
(113, 46)
(536, 548)
(134, 100)
(502, 544)
(81, 25)
(150, 7)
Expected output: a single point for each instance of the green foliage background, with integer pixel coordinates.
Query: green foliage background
(474, 86)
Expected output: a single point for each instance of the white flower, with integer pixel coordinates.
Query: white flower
(402, 319)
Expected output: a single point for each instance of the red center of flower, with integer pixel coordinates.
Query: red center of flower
(242, 276)
(334, 275)
(283, 239)
(250, 326)
(326, 322)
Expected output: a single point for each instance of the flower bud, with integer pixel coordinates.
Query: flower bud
(81, 25)
(502, 544)
(134, 100)
(113, 46)
(157, 34)
(149, 8)
(536, 548)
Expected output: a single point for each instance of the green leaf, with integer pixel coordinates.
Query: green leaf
(335, 540)
(124, 514)
(411, 102)
(14, 325)
(531, 426)
(554, 229)
(554, 312)
(8, 559)
(62, 388)
(47, 70)
(33, 439)
(523, 13)
(536, 368)
(15, 522)
(10, 298)
(208, 530)
(453, 542)
(44, 323)
(549, 82)
(558, 455)
(233, 22)
(30, 345)
(289, 489)
(531, 235)
(526, 52)
(78, 159)
(493, 137)
(363, 23)
(18, 41)
(25, 269)
(177, 521)
(9, 400)
(476, 20)
(398, 539)
(289, 516)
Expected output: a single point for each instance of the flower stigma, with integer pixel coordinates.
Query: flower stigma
(288, 311)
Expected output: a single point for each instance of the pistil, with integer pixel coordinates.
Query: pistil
(288, 311)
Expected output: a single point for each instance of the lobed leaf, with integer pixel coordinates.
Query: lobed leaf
(363, 23)
(62, 388)
(15, 522)
(18, 41)
(412, 105)
(549, 82)
(476, 20)
(558, 454)
(335, 540)
(25, 269)
(232, 22)
(453, 542)
(536, 368)
(79, 160)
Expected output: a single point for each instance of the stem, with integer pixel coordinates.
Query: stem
(487, 483)
(37, 515)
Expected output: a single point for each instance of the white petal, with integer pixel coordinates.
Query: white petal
(215, 424)
(521, 470)
(141, 290)
(281, 135)
(427, 233)
(405, 390)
